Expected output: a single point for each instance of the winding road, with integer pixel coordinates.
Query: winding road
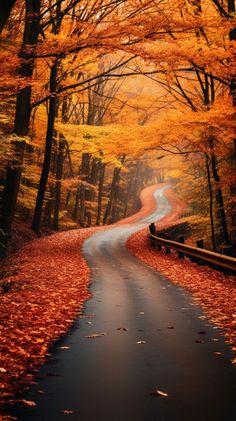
(139, 333)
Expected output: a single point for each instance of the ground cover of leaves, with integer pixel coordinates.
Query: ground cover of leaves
(45, 285)
(214, 291)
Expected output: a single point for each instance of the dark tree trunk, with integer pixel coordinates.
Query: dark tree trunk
(100, 192)
(76, 206)
(131, 188)
(59, 173)
(82, 212)
(36, 224)
(115, 182)
(219, 194)
(211, 204)
(67, 198)
(30, 38)
(22, 116)
(5, 11)
(85, 176)
(9, 196)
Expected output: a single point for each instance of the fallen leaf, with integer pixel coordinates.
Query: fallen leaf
(64, 347)
(141, 342)
(123, 328)
(170, 327)
(27, 403)
(158, 392)
(141, 312)
(95, 335)
(39, 340)
(2, 370)
(68, 411)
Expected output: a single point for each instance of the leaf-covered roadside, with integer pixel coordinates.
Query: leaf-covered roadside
(211, 289)
(44, 292)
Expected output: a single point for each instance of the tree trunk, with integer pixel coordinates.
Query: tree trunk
(115, 181)
(219, 194)
(22, 115)
(82, 212)
(100, 192)
(9, 196)
(232, 37)
(211, 204)
(84, 175)
(30, 38)
(76, 206)
(59, 172)
(36, 224)
(5, 11)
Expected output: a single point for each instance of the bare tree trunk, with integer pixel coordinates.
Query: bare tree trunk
(9, 196)
(30, 38)
(100, 192)
(22, 116)
(82, 206)
(59, 173)
(76, 206)
(36, 224)
(5, 11)
(84, 175)
(211, 204)
(219, 194)
(115, 181)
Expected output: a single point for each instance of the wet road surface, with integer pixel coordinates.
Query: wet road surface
(150, 337)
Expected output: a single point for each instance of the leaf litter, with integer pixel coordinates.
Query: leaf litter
(42, 304)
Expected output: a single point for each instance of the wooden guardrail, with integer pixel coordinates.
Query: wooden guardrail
(197, 254)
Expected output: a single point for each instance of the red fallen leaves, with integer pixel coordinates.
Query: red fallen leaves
(48, 286)
(211, 289)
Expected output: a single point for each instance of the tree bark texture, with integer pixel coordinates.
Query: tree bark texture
(211, 204)
(36, 224)
(5, 11)
(219, 194)
(59, 173)
(30, 38)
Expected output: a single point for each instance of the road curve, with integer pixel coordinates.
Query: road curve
(150, 337)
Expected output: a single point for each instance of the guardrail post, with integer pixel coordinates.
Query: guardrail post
(159, 247)
(180, 253)
(167, 250)
(152, 230)
(200, 244)
(228, 250)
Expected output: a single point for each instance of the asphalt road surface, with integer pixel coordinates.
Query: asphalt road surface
(140, 333)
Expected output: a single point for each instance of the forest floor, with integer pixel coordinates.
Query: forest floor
(46, 282)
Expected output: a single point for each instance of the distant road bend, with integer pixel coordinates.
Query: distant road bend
(150, 337)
